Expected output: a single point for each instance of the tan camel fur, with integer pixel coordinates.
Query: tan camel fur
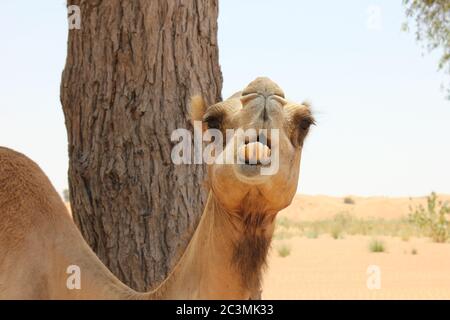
(226, 255)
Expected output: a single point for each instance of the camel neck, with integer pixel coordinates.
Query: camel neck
(212, 266)
(223, 260)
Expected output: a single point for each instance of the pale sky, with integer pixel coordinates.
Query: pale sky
(383, 121)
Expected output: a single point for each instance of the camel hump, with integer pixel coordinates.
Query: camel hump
(24, 184)
(264, 86)
(16, 170)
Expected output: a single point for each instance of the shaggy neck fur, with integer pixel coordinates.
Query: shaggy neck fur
(255, 229)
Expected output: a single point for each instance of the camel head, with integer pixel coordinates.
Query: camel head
(256, 167)
(253, 168)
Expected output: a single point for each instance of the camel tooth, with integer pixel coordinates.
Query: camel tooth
(250, 153)
(265, 155)
(242, 153)
(254, 152)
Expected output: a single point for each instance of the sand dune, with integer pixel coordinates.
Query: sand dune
(307, 208)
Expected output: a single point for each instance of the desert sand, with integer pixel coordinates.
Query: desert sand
(327, 268)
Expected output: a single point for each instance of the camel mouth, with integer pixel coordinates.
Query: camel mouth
(253, 156)
(250, 174)
(256, 153)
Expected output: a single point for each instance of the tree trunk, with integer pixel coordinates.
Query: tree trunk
(130, 71)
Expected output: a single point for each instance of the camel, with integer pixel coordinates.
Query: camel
(226, 256)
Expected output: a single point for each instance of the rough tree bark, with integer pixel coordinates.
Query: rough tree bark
(130, 72)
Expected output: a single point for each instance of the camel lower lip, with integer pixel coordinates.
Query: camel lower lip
(250, 170)
(250, 165)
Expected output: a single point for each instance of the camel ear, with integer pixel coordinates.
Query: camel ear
(198, 108)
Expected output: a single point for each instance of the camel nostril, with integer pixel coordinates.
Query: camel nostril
(280, 99)
(247, 97)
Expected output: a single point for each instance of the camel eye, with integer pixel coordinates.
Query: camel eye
(306, 123)
(213, 122)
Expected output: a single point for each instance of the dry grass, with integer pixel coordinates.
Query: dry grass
(349, 200)
(346, 224)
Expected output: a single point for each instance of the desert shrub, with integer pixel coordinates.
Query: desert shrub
(405, 236)
(283, 235)
(312, 233)
(414, 251)
(286, 229)
(284, 222)
(432, 219)
(376, 245)
(284, 250)
(344, 219)
(349, 200)
(336, 233)
(340, 223)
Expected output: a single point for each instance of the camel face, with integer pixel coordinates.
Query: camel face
(263, 136)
